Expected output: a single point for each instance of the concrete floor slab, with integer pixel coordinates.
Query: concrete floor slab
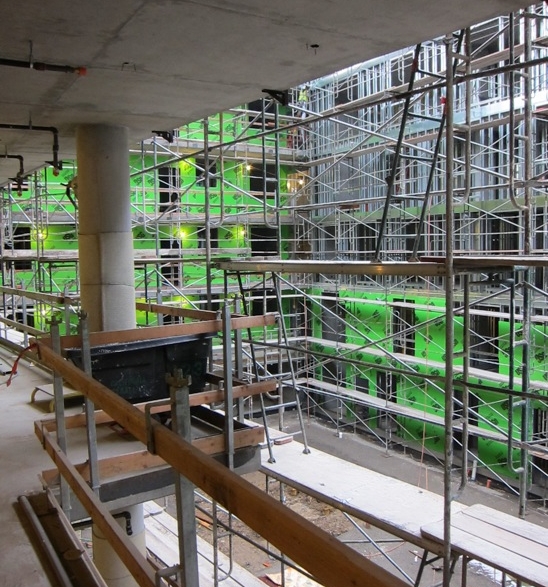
(21, 460)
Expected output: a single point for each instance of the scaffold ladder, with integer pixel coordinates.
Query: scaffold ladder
(255, 364)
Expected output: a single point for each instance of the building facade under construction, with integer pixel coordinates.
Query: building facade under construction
(394, 214)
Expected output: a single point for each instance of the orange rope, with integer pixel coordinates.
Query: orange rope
(31, 346)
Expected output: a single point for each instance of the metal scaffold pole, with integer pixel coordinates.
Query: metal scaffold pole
(59, 406)
(527, 274)
(397, 154)
(207, 204)
(449, 314)
(184, 489)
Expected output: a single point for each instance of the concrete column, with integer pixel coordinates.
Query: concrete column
(105, 240)
(112, 569)
(107, 286)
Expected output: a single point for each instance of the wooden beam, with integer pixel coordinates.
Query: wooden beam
(215, 444)
(142, 460)
(174, 311)
(218, 395)
(129, 554)
(196, 399)
(101, 417)
(110, 466)
(34, 295)
(21, 327)
(331, 562)
(154, 332)
(331, 268)
(183, 312)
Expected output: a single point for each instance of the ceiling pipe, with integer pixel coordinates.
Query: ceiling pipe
(40, 66)
(21, 163)
(55, 163)
(21, 173)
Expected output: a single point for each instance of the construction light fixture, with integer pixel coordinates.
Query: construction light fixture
(184, 166)
(40, 234)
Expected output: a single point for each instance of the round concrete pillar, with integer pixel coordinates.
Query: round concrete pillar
(105, 239)
(107, 287)
(113, 571)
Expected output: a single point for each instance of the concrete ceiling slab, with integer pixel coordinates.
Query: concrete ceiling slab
(156, 64)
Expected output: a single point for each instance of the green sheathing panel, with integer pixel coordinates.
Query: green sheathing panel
(539, 350)
(493, 413)
(155, 227)
(286, 236)
(35, 227)
(42, 315)
(370, 319)
(229, 197)
(59, 238)
(369, 316)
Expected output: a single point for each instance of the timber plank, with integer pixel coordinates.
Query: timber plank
(491, 533)
(125, 549)
(511, 524)
(154, 332)
(535, 573)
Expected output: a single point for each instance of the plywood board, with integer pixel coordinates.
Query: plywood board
(512, 547)
(162, 541)
(387, 503)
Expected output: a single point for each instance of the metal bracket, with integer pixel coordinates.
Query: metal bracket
(166, 573)
(127, 517)
(281, 96)
(167, 135)
(151, 446)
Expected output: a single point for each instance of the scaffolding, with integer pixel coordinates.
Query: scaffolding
(395, 218)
